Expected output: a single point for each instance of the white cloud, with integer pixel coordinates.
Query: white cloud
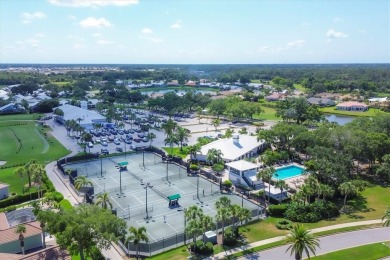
(295, 44)
(332, 34)
(338, 19)
(290, 45)
(104, 42)
(78, 46)
(97, 35)
(146, 31)
(92, 3)
(71, 17)
(155, 39)
(176, 25)
(40, 35)
(92, 22)
(33, 42)
(29, 17)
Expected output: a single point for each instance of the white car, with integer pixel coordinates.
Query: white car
(117, 141)
(90, 144)
(104, 143)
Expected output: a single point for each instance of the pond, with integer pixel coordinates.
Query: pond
(341, 120)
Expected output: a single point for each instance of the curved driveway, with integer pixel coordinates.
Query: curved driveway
(330, 243)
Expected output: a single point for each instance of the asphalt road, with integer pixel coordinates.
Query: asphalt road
(330, 243)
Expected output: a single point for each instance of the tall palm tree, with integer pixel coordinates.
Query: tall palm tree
(171, 140)
(82, 182)
(193, 150)
(244, 215)
(347, 188)
(386, 218)
(151, 137)
(326, 191)
(103, 199)
(282, 185)
(301, 240)
(235, 211)
(214, 156)
(182, 136)
(307, 191)
(21, 229)
(136, 236)
(169, 127)
(206, 223)
(193, 213)
(223, 202)
(38, 172)
(223, 214)
(266, 175)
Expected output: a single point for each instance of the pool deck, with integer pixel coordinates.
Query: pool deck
(297, 181)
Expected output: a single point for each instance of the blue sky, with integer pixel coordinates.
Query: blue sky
(194, 31)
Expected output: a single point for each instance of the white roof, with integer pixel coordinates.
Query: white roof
(242, 165)
(233, 150)
(73, 112)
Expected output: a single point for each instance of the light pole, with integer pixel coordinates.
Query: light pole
(197, 186)
(143, 157)
(242, 199)
(101, 167)
(120, 181)
(185, 224)
(167, 168)
(146, 190)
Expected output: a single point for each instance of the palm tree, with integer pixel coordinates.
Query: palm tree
(38, 172)
(223, 202)
(206, 223)
(216, 122)
(282, 185)
(169, 127)
(151, 137)
(136, 236)
(193, 150)
(214, 155)
(244, 215)
(104, 200)
(171, 140)
(21, 229)
(307, 191)
(326, 191)
(235, 211)
(193, 215)
(301, 240)
(347, 188)
(386, 217)
(267, 174)
(223, 214)
(182, 136)
(82, 182)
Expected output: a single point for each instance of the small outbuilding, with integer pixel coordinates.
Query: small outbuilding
(210, 236)
(4, 191)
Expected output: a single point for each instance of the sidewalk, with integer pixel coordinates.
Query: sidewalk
(280, 238)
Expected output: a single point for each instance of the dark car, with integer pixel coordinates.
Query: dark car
(137, 140)
(129, 137)
(126, 131)
(141, 135)
(131, 131)
(104, 151)
(128, 141)
(119, 150)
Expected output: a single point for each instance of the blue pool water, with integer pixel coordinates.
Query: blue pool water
(288, 172)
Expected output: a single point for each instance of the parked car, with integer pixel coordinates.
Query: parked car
(133, 147)
(141, 135)
(137, 140)
(145, 139)
(117, 141)
(90, 144)
(131, 131)
(104, 151)
(104, 144)
(128, 141)
(111, 138)
(119, 150)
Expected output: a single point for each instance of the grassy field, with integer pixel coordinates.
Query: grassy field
(174, 254)
(23, 141)
(16, 182)
(366, 252)
(300, 87)
(255, 81)
(370, 112)
(19, 117)
(175, 151)
(269, 114)
(61, 83)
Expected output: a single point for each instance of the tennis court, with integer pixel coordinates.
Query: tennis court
(149, 181)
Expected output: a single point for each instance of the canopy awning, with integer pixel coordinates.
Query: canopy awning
(174, 197)
(121, 164)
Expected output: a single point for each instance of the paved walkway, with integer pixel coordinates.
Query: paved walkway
(280, 238)
(329, 244)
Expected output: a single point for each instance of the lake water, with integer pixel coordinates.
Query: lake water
(341, 120)
(178, 92)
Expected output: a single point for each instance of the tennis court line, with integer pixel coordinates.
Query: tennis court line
(117, 203)
(137, 198)
(97, 183)
(114, 180)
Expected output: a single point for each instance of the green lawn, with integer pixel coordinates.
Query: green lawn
(300, 87)
(255, 81)
(370, 112)
(175, 151)
(366, 252)
(15, 181)
(61, 83)
(20, 117)
(269, 114)
(183, 88)
(174, 254)
(32, 145)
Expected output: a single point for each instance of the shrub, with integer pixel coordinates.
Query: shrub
(202, 248)
(283, 224)
(277, 210)
(17, 199)
(218, 167)
(228, 183)
(194, 167)
(230, 238)
(54, 196)
(311, 213)
(65, 204)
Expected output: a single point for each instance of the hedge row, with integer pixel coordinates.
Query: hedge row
(20, 198)
(18, 124)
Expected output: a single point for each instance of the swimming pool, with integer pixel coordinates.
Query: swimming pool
(287, 172)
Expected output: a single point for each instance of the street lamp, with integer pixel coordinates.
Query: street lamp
(146, 190)
(242, 199)
(167, 169)
(120, 181)
(185, 223)
(143, 157)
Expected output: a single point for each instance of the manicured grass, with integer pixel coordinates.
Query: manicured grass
(175, 151)
(177, 88)
(32, 144)
(174, 254)
(262, 229)
(15, 181)
(61, 83)
(65, 204)
(300, 87)
(366, 252)
(269, 114)
(370, 112)
(255, 81)
(20, 117)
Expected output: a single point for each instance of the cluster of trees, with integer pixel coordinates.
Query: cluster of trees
(298, 110)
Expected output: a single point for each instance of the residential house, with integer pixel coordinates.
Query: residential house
(274, 97)
(352, 106)
(11, 108)
(322, 102)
